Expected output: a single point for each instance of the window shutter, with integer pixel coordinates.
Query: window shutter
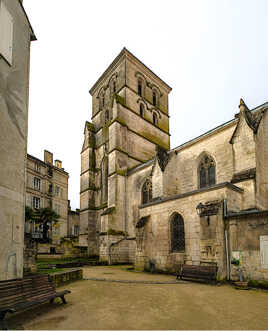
(264, 251)
(6, 33)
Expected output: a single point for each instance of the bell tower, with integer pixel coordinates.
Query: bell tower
(129, 120)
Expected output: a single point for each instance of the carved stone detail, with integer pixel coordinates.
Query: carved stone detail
(162, 157)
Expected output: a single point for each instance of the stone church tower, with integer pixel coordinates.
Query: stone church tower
(129, 120)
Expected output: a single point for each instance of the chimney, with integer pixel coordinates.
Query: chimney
(48, 157)
(58, 164)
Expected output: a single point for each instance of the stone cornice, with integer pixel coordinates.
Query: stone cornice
(187, 194)
(111, 67)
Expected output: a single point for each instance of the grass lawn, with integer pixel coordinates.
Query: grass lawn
(51, 271)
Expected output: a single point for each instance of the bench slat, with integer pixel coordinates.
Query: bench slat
(19, 294)
(200, 272)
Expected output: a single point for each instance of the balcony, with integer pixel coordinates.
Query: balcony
(37, 235)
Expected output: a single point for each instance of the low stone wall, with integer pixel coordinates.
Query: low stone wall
(65, 277)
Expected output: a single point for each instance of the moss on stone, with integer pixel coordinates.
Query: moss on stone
(121, 172)
(258, 283)
(163, 126)
(154, 139)
(113, 232)
(118, 120)
(162, 109)
(120, 100)
(90, 127)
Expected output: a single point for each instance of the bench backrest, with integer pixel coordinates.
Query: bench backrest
(17, 291)
(199, 268)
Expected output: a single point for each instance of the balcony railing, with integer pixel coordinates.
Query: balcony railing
(37, 235)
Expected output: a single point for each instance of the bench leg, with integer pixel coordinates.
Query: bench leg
(3, 323)
(63, 300)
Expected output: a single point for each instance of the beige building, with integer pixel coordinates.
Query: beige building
(73, 222)
(16, 35)
(203, 202)
(47, 186)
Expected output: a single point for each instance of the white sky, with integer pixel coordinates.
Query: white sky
(211, 52)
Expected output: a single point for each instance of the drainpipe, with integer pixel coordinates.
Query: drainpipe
(226, 240)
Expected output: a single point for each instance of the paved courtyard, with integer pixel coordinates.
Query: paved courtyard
(105, 305)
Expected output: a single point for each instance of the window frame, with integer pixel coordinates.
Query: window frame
(140, 87)
(146, 192)
(57, 190)
(155, 119)
(206, 179)
(176, 241)
(37, 183)
(36, 202)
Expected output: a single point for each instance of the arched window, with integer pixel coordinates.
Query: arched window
(107, 116)
(207, 172)
(141, 110)
(104, 180)
(147, 194)
(154, 98)
(140, 87)
(114, 86)
(155, 119)
(177, 233)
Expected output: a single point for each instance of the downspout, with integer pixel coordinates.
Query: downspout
(226, 240)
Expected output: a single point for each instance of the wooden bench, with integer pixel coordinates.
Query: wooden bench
(20, 294)
(199, 272)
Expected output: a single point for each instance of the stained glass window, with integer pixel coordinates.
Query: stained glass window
(207, 172)
(147, 191)
(177, 234)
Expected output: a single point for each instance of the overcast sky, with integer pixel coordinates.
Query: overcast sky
(211, 52)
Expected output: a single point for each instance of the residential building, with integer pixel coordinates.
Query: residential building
(47, 187)
(16, 35)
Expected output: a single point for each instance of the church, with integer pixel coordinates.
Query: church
(204, 202)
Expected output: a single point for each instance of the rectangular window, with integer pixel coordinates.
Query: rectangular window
(57, 191)
(76, 230)
(264, 251)
(37, 183)
(57, 209)
(37, 167)
(36, 202)
(6, 33)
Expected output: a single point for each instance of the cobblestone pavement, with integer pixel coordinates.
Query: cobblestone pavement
(104, 305)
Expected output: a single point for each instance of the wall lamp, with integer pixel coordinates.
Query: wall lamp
(200, 208)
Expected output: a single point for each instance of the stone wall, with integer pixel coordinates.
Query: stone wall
(65, 277)
(203, 243)
(244, 236)
(14, 90)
